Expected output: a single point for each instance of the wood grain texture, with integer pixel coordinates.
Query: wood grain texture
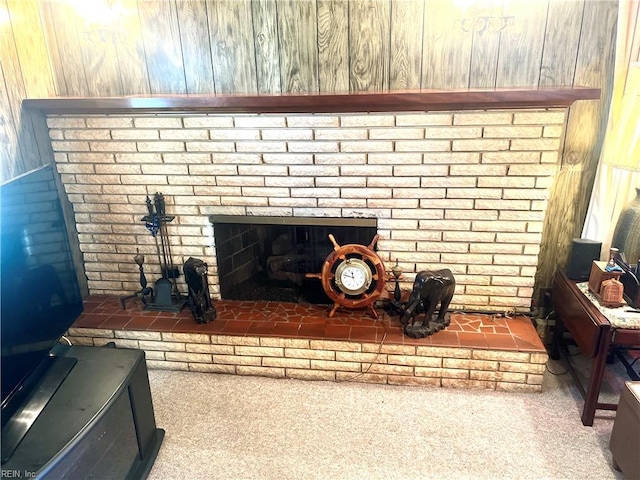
(446, 46)
(297, 35)
(562, 36)
(585, 131)
(60, 23)
(10, 159)
(405, 68)
(265, 29)
(196, 47)
(521, 43)
(130, 51)
(98, 48)
(17, 141)
(369, 45)
(31, 48)
(232, 47)
(486, 23)
(13, 84)
(52, 46)
(333, 45)
(161, 35)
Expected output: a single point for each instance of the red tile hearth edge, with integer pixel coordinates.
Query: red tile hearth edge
(306, 321)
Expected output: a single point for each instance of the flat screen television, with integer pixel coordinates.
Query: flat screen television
(40, 296)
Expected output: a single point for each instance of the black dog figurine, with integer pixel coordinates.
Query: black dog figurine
(199, 301)
(430, 288)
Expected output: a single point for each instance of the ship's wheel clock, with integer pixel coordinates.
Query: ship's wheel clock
(352, 276)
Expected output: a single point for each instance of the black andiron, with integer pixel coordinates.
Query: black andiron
(165, 296)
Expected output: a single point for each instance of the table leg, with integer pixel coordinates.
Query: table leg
(556, 340)
(595, 378)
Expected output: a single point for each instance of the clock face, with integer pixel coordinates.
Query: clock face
(353, 276)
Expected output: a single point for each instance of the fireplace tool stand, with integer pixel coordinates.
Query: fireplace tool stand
(145, 293)
(395, 307)
(167, 297)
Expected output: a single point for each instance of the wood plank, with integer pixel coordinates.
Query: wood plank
(130, 51)
(10, 158)
(369, 45)
(196, 46)
(52, 47)
(265, 33)
(60, 23)
(305, 103)
(595, 67)
(333, 45)
(297, 35)
(521, 43)
(486, 23)
(561, 40)
(20, 142)
(405, 69)
(14, 87)
(98, 41)
(161, 35)
(232, 48)
(31, 47)
(446, 46)
(586, 126)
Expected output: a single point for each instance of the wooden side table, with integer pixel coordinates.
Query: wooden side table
(594, 334)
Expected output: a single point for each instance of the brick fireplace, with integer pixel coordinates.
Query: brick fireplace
(466, 190)
(460, 183)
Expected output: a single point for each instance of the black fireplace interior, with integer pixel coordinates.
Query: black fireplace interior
(265, 260)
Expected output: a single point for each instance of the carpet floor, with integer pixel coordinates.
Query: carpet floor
(236, 427)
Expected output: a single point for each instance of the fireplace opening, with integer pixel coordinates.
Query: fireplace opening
(267, 258)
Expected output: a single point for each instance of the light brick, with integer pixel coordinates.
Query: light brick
(212, 121)
(157, 122)
(374, 120)
(535, 144)
(541, 118)
(313, 121)
(314, 353)
(331, 365)
(423, 146)
(297, 363)
(208, 348)
(426, 119)
(367, 146)
(482, 118)
(188, 357)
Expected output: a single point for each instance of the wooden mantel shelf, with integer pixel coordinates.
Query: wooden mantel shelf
(425, 100)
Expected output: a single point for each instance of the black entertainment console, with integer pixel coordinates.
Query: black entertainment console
(99, 423)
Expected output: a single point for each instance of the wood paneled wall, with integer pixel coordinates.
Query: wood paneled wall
(122, 47)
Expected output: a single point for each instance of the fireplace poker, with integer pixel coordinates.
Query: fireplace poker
(169, 266)
(153, 225)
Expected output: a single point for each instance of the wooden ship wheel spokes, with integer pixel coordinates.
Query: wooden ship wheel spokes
(353, 276)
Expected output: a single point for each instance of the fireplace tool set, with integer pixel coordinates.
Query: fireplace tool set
(165, 296)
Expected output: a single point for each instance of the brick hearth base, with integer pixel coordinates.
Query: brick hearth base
(299, 341)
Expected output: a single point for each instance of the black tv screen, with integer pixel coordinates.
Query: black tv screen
(39, 292)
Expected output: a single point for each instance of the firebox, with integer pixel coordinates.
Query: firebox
(267, 258)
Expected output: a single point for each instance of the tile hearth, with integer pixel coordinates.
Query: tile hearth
(300, 341)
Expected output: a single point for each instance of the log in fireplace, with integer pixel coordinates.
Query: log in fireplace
(266, 258)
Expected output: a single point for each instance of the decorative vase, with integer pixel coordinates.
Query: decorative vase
(626, 236)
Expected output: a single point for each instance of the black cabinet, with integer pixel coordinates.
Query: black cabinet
(100, 422)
